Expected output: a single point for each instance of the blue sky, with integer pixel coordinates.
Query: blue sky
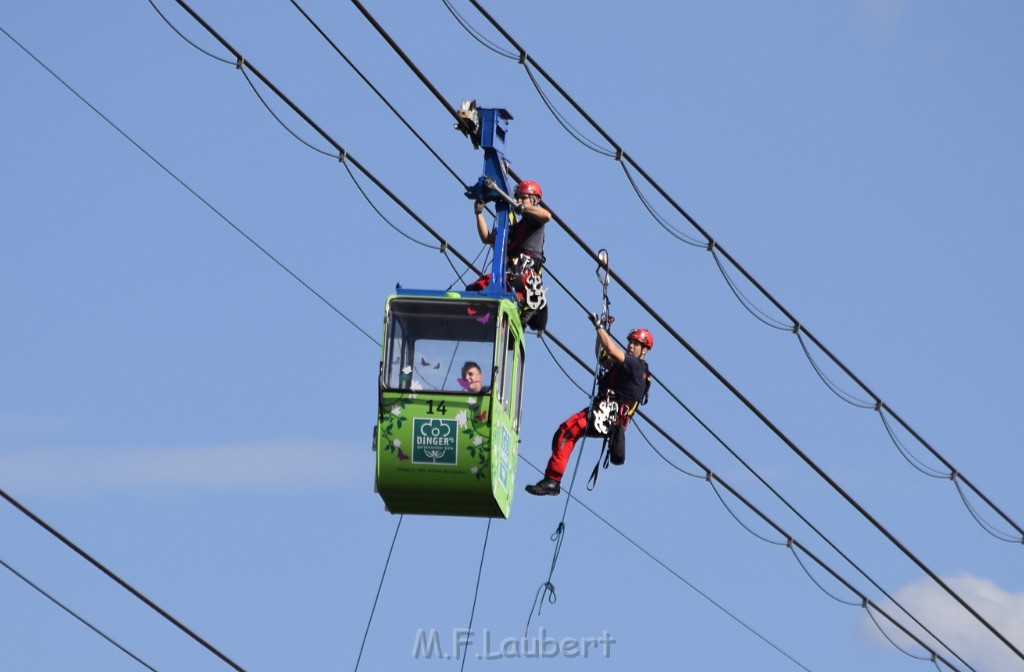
(200, 422)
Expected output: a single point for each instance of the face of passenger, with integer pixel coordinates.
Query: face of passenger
(475, 378)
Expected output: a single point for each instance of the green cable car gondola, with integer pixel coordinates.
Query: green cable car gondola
(447, 438)
(447, 444)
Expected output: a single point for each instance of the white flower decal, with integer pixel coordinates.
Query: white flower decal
(396, 410)
(477, 440)
(460, 418)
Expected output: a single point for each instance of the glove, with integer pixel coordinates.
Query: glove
(519, 209)
(596, 320)
(478, 207)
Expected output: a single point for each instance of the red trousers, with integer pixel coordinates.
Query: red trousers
(566, 436)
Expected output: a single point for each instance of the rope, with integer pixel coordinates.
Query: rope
(476, 592)
(605, 321)
(558, 536)
(547, 589)
(379, 587)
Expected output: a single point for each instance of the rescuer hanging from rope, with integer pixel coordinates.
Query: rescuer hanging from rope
(623, 384)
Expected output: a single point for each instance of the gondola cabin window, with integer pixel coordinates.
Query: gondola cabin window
(430, 341)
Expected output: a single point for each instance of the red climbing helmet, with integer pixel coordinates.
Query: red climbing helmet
(641, 336)
(528, 187)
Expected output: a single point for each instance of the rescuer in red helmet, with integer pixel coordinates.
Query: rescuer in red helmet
(525, 252)
(622, 386)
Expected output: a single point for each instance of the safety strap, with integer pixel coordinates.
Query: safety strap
(605, 456)
(604, 276)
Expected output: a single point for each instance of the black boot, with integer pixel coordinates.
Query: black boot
(544, 487)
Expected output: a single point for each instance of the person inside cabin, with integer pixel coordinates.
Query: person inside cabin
(525, 251)
(622, 386)
(472, 379)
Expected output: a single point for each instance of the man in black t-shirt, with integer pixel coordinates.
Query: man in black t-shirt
(524, 251)
(621, 388)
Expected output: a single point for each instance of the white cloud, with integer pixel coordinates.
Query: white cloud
(954, 625)
(250, 466)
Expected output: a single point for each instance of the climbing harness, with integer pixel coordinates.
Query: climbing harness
(611, 419)
(524, 278)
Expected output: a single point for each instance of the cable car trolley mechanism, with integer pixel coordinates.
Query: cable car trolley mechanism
(451, 374)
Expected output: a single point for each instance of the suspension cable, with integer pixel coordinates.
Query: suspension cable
(476, 591)
(118, 580)
(77, 616)
(711, 477)
(849, 499)
(380, 586)
(713, 245)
